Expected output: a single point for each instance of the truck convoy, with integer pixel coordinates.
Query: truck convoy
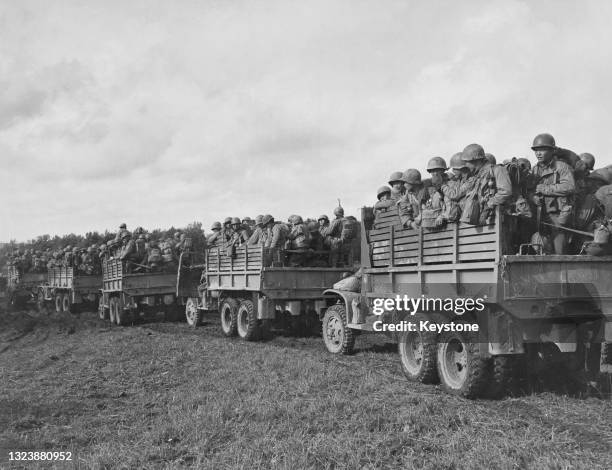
(68, 290)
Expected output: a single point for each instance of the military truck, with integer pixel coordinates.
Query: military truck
(254, 289)
(534, 306)
(21, 287)
(67, 290)
(128, 296)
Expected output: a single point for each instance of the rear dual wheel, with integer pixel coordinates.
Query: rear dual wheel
(116, 312)
(246, 321)
(418, 351)
(229, 312)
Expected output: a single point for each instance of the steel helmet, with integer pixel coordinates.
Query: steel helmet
(323, 217)
(246, 219)
(297, 219)
(543, 141)
(236, 221)
(382, 190)
(456, 162)
(395, 177)
(436, 163)
(267, 219)
(490, 158)
(473, 152)
(589, 159)
(339, 211)
(412, 176)
(123, 225)
(216, 225)
(228, 220)
(524, 163)
(258, 220)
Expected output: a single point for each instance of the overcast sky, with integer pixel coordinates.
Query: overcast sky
(163, 113)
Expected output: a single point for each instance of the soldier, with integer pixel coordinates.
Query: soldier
(411, 202)
(552, 189)
(455, 189)
(332, 234)
(276, 236)
(436, 167)
(257, 237)
(396, 181)
(492, 186)
(589, 161)
(491, 158)
(299, 240)
(226, 231)
(384, 200)
(214, 239)
(240, 235)
(128, 250)
(122, 229)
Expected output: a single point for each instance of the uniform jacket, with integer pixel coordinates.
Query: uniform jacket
(554, 181)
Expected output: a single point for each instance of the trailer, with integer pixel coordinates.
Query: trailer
(128, 296)
(21, 287)
(253, 290)
(533, 306)
(68, 290)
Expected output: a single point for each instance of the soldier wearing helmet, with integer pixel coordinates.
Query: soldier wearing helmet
(589, 161)
(299, 240)
(276, 233)
(240, 235)
(552, 189)
(436, 167)
(128, 251)
(331, 231)
(491, 182)
(491, 158)
(214, 238)
(384, 202)
(396, 181)
(257, 237)
(416, 195)
(226, 230)
(455, 189)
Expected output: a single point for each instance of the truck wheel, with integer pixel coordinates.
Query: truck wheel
(112, 307)
(192, 314)
(229, 310)
(246, 321)
(121, 316)
(102, 312)
(504, 371)
(58, 303)
(337, 336)
(66, 304)
(418, 351)
(40, 302)
(461, 369)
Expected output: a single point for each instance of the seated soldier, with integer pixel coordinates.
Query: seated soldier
(416, 195)
(384, 201)
(299, 241)
(214, 239)
(257, 238)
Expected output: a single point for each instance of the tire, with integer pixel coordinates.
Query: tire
(418, 352)
(461, 369)
(192, 314)
(58, 303)
(121, 316)
(246, 321)
(102, 311)
(40, 302)
(228, 312)
(66, 304)
(112, 308)
(503, 376)
(338, 338)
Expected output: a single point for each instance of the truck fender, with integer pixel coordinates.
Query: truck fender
(356, 309)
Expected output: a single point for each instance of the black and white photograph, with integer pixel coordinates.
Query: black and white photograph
(277, 234)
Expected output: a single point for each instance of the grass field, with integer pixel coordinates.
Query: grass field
(162, 395)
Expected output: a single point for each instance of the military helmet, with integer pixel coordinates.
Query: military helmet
(297, 219)
(339, 211)
(323, 217)
(259, 220)
(123, 225)
(236, 221)
(216, 225)
(436, 163)
(267, 219)
(141, 237)
(382, 190)
(246, 219)
(228, 220)
(412, 176)
(589, 159)
(543, 141)
(395, 177)
(456, 162)
(491, 158)
(473, 152)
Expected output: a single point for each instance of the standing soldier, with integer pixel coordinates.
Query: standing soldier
(299, 237)
(332, 233)
(455, 189)
(552, 189)
(257, 237)
(411, 202)
(226, 230)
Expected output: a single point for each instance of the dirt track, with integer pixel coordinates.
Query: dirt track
(160, 395)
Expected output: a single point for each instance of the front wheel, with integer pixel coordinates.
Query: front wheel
(58, 302)
(121, 315)
(462, 370)
(337, 336)
(66, 304)
(246, 321)
(112, 308)
(192, 314)
(418, 353)
(228, 311)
